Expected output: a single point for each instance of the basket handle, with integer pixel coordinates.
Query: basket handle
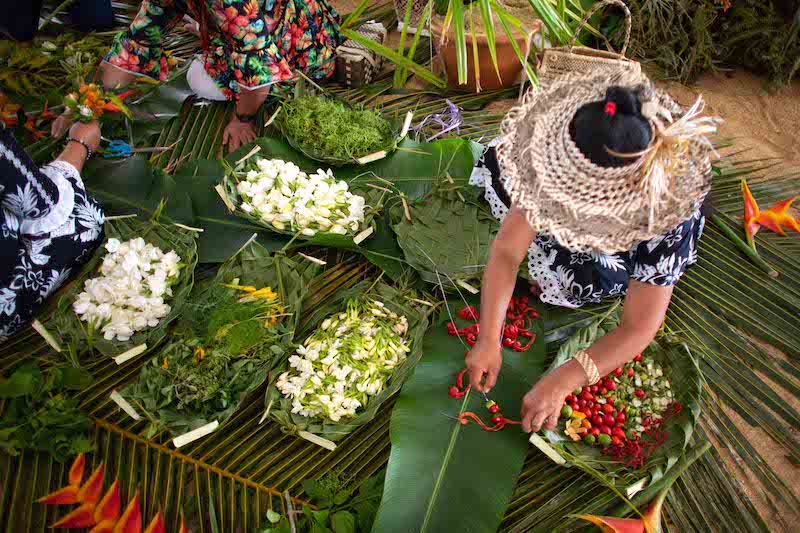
(593, 10)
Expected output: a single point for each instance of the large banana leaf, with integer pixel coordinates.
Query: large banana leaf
(80, 336)
(447, 239)
(443, 476)
(401, 302)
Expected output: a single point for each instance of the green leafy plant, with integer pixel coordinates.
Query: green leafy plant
(334, 131)
(39, 413)
(338, 508)
(224, 345)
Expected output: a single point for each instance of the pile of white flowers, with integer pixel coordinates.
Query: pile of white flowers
(346, 362)
(129, 295)
(283, 196)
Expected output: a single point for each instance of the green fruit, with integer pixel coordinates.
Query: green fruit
(566, 411)
(604, 439)
(589, 438)
(577, 391)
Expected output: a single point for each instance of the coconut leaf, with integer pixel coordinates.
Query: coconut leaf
(80, 337)
(447, 239)
(280, 408)
(442, 475)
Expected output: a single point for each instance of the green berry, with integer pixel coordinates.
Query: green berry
(604, 440)
(566, 411)
(590, 439)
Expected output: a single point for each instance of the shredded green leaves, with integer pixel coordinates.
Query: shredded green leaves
(330, 128)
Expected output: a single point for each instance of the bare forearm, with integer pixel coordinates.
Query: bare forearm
(250, 101)
(497, 288)
(75, 154)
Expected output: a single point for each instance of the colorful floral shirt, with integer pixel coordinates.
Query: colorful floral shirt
(251, 43)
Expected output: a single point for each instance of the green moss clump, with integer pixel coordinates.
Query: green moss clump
(329, 128)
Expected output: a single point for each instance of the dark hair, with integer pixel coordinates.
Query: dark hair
(615, 124)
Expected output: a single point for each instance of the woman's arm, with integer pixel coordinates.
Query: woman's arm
(508, 251)
(74, 152)
(642, 315)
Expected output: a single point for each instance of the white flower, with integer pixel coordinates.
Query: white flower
(85, 111)
(128, 296)
(247, 208)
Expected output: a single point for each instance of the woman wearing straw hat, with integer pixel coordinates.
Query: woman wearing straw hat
(599, 183)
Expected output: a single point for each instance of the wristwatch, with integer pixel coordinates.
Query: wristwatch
(247, 119)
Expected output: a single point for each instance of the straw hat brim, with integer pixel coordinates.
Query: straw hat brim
(586, 207)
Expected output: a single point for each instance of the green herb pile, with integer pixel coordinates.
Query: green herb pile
(39, 416)
(338, 510)
(222, 350)
(332, 129)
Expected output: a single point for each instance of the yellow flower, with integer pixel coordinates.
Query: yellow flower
(265, 293)
(575, 429)
(245, 288)
(199, 354)
(165, 364)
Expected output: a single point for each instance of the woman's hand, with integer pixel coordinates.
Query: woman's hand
(190, 25)
(87, 132)
(542, 405)
(485, 358)
(60, 125)
(238, 133)
(115, 78)
(75, 153)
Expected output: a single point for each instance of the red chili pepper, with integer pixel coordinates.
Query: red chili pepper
(511, 332)
(473, 329)
(520, 348)
(460, 379)
(471, 339)
(531, 312)
(508, 342)
(452, 329)
(468, 313)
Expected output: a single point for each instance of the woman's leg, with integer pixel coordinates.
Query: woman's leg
(201, 83)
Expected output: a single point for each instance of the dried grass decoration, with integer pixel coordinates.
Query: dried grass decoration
(78, 336)
(335, 132)
(234, 328)
(649, 449)
(354, 345)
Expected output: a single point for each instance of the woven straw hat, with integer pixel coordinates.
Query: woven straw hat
(591, 208)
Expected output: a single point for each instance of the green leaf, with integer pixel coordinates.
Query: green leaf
(441, 473)
(343, 522)
(447, 239)
(76, 378)
(22, 382)
(273, 517)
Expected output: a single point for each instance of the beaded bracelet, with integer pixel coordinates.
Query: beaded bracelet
(588, 366)
(82, 143)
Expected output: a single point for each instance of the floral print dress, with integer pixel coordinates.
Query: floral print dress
(48, 227)
(572, 279)
(251, 43)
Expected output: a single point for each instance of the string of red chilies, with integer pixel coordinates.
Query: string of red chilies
(519, 319)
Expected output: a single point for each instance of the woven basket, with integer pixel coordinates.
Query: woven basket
(355, 64)
(417, 9)
(556, 62)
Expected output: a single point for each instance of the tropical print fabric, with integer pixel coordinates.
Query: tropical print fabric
(572, 279)
(49, 226)
(251, 43)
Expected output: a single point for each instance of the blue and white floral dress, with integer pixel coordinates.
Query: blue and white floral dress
(572, 279)
(48, 227)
